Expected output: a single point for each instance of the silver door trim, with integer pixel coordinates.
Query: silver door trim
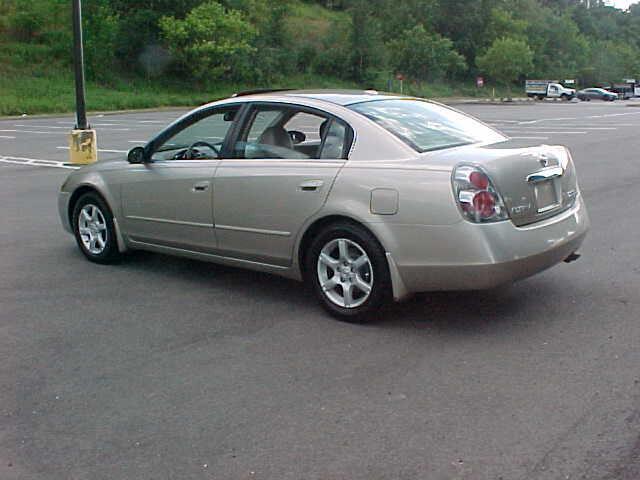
(277, 233)
(203, 255)
(174, 222)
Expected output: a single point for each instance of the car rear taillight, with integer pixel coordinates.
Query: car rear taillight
(476, 195)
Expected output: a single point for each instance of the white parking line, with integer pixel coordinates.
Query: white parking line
(531, 122)
(6, 136)
(104, 150)
(121, 123)
(31, 131)
(566, 127)
(136, 141)
(92, 124)
(37, 162)
(529, 138)
(557, 119)
(66, 128)
(554, 132)
(37, 126)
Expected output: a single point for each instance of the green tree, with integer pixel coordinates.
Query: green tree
(502, 23)
(506, 60)
(612, 61)
(100, 30)
(211, 43)
(425, 56)
(273, 57)
(465, 22)
(366, 46)
(138, 24)
(560, 50)
(406, 14)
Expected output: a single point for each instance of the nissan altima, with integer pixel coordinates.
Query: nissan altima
(366, 196)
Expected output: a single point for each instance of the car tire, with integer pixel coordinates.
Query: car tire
(94, 230)
(348, 271)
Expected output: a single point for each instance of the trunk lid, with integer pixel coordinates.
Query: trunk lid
(536, 182)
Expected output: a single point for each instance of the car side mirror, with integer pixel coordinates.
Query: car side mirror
(137, 155)
(297, 137)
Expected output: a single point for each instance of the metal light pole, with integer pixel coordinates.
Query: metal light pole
(78, 62)
(82, 140)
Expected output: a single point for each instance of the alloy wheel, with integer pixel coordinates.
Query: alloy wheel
(92, 228)
(345, 273)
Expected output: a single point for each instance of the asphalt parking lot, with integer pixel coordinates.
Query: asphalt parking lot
(165, 368)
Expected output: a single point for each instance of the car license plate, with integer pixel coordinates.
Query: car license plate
(546, 196)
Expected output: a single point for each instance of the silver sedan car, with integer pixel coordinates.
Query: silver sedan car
(365, 196)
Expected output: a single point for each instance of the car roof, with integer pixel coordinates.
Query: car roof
(338, 97)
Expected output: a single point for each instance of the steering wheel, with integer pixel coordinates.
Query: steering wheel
(200, 143)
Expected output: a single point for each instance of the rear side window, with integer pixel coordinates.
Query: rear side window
(288, 132)
(427, 126)
(334, 139)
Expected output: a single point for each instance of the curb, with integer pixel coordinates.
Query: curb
(484, 101)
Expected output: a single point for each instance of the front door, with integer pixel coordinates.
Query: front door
(169, 200)
(285, 161)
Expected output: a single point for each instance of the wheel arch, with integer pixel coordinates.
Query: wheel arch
(399, 289)
(87, 188)
(75, 196)
(317, 225)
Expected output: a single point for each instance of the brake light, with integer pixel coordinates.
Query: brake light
(479, 180)
(476, 195)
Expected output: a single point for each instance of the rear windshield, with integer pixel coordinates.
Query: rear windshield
(427, 126)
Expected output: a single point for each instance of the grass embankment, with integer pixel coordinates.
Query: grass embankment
(32, 82)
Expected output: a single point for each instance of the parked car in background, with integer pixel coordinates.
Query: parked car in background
(625, 91)
(541, 89)
(365, 196)
(589, 94)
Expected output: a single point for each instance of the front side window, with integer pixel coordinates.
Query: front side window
(426, 126)
(286, 132)
(202, 140)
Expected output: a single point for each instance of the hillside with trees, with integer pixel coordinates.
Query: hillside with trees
(146, 53)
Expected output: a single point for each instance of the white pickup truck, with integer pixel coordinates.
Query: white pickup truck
(542, 89)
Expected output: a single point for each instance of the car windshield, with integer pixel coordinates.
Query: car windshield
(426, 126)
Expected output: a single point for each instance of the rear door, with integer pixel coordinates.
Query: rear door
(169, 200)
(276, 180)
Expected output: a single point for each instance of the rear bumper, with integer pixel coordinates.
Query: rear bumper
(468, 256)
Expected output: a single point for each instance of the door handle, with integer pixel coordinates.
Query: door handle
(201, 186)
(311, 185)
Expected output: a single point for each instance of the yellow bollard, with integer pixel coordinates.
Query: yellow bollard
(83, 148)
